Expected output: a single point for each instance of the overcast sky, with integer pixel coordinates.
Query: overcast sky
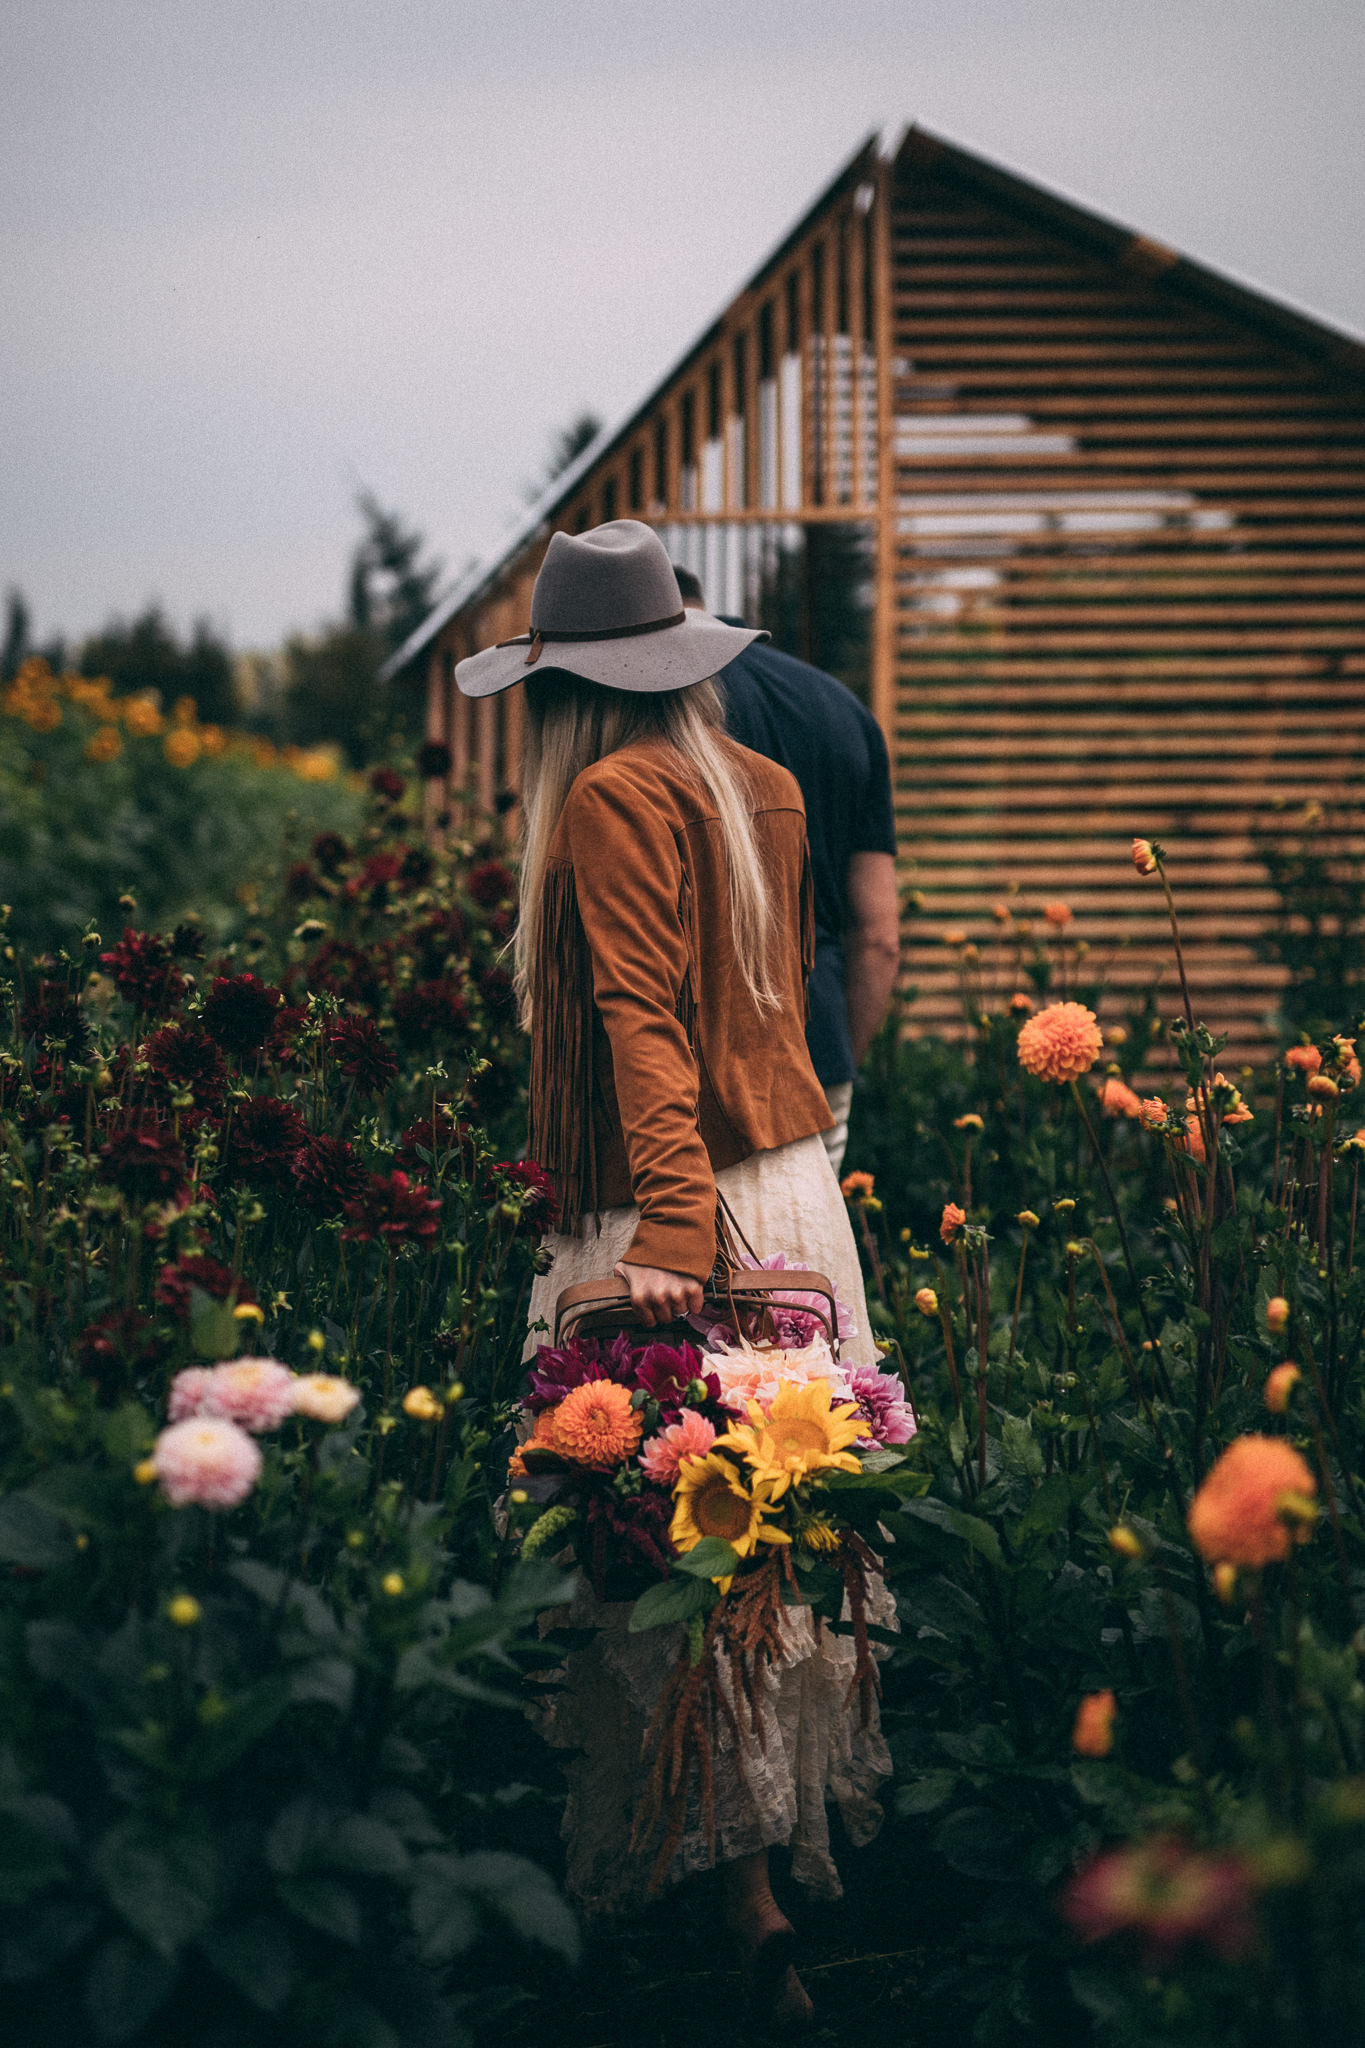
(254, 253)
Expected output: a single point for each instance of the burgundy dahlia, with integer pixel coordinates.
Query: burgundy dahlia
(438, 942)
(557, 1369)
(358, 1048)
(143, 968)
(497, 991)
(349, 972)
(331, 853)
(239, 1010)
(281, 1043)
(53, 1013)
(379, 870)
(387, 783)
(301, 882)
(435, 1136)
(491, 884)
(666, 1371)
(187, 941)
(183, 1056)
(433, 1009)
(145, 1162)
(263, 1137)
(434, 761)
(209, 1275)
(540, 1204)
(417, 868)
(394, 1211)
(328, 1173)
(115, 1348)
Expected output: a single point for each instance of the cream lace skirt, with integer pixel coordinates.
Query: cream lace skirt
(814, 1753)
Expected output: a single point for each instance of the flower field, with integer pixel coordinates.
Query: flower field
(270, 1605)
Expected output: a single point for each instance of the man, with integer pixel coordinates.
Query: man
(815, 727)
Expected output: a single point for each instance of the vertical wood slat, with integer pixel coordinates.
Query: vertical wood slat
(884, 620)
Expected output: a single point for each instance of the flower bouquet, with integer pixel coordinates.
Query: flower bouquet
(716, 1484)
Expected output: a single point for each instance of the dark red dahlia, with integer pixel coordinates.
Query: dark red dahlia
(666, 1371)
(328, 1173)
(300, 883)
(417, 868)
(379, 870)
(434, 761)
(331, 853)
(387, 784)
(501, 925)
(144, 1161)
(438, 942)
(433, 1009)
(184, 1056)
(209, 1275)
(239, 1010)
(539, 1203)
(491, 884)
(281, 1043)
(116, 1348)
(499, 996)
(349, 972)
(436, 1136)
(393, 1210)
(53, 1013)
(557, 1369)
(144, 972)
(358, 1048)
(263, 1136)
(187, 941)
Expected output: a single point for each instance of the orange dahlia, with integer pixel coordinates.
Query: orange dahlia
(1279, 1385)
(595, 1425)
(1303, 1059)
(1153, 1113)
(1118, 1099)
(1254, 1504)
(1144, 857)
(1061, 1043)
(952, 1221)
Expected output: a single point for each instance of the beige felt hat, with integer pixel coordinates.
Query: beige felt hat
(606, 606)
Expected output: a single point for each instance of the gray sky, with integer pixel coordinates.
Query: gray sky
(255, 252)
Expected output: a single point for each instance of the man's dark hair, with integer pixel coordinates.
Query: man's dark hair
(689, 585)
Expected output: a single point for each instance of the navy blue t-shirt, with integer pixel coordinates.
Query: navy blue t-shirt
(814, 726)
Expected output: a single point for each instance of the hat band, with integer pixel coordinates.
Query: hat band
(539, 634)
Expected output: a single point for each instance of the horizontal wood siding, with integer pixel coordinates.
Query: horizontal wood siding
(1128, 598)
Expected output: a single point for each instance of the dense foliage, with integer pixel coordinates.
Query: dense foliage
(256, 1631)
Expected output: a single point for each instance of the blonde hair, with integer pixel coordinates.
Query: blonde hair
(571, 723)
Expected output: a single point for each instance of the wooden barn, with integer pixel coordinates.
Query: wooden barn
(1081, 520)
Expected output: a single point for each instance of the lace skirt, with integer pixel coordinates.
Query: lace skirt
(773, 1790)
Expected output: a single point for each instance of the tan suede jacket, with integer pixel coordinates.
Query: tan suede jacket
(651, 1066)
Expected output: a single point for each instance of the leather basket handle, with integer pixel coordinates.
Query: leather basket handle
(592, 1305)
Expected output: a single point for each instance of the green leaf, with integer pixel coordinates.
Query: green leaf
(34, 1833)
(162, 1880)
(712, 1558)
(980, 1535)
(33, 1534)
(256, 1957)
(980, 1843)
(126, 1986)
(214, 1330)
(39, 1939)
(1019, 1453)
(515, 1889)
(925, 1795)
(367, 1846)
(985, 1745)
(324, 1904)
(674, 1600)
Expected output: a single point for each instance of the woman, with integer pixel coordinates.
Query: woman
(661, 956)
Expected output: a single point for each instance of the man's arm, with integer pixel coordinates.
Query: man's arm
(871, 945)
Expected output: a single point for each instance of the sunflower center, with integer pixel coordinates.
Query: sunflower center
(795, 1437)
(719, 1512)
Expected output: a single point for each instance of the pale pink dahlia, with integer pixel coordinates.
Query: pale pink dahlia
(206, 1462)
(323, 1397)
(1061, 1043)
(258, 1393)
(880, 1397)
(691, 1436)
(189, 1391)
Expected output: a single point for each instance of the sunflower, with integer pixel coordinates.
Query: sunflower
(801, 1433)
(711, 1499)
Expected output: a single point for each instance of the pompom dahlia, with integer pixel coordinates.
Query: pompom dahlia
(53, 1013)
(358, 1048)
(1254, 1504)
(184, 1056)
(432, 1009)
(595, 1425)
(328, 1173)
(206, 1462)
(264, 1138)
(255, 1393)
(144, 1161)
(143, 969)
(323, 1397)
(239, 1010)
(1061, 1042)
(394, 1211)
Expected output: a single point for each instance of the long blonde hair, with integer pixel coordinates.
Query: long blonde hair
(571, 723)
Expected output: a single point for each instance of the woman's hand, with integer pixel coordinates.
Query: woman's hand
(657, 1296)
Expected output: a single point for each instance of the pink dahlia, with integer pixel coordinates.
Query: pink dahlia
(880, 1397)
(257, 1393)
(206, 1462)
(1061, 1043)
(691, 1436)
(189, 1392)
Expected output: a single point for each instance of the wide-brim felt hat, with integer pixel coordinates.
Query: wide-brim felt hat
(606, 606)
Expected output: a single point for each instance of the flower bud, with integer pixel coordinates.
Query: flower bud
(184, 1610)
(1280, 1385)
(421, 1404)
(1064, 1207)
(926, 1301)
(696, 1392)
(145, 1472)
(317, 1342)
(1027, 1219)
(1225, 1583)
(393, 1584)
(1323, 1088)
(1144, 857)
(1125, 1541)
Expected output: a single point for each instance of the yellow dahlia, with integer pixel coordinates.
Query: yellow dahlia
(801, 1433)
(711, 1499)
